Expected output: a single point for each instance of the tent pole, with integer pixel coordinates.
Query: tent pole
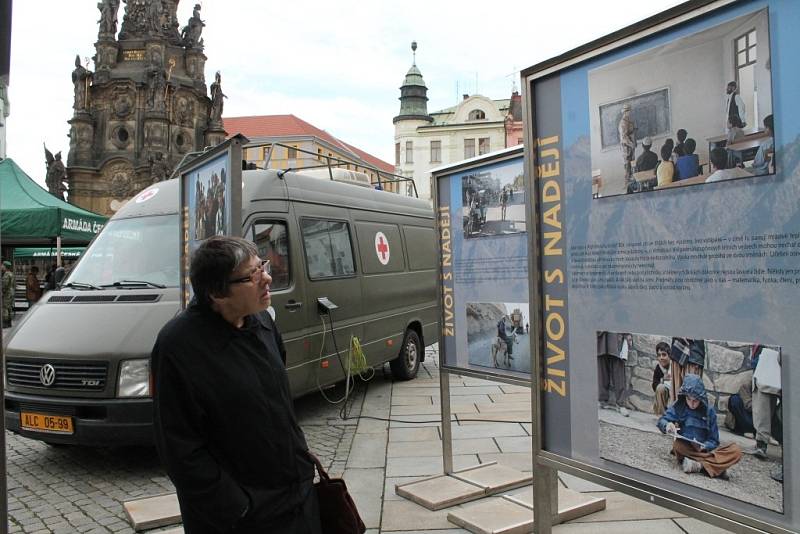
(58, 251)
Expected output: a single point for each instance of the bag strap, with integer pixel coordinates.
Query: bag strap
(323, 475)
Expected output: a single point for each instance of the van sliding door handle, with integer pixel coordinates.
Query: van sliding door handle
(293, 305)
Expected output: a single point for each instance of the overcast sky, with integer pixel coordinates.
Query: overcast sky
(336, 64)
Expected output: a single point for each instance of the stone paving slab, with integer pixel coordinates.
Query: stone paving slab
(504, 407)
(662, 526)
(579, 484)
(366, 488)
(503, 417)
(493, 515)
(410, 400)
(406, 516)
(439, 492)
(494, 478)
(153, 512)
(515, 460)
(487, 430)
(414, 434)
(621, 507)
(523, 444)
(426, 465)
(368, 450)
(432, 409)
(460, 391)
(694, 526)
(511, 397)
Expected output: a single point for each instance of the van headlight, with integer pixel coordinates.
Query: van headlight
(134, 378)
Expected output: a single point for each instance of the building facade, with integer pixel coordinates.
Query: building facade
(288, 142)
(475, 126)
(143, 108)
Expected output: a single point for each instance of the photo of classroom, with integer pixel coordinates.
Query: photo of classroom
(696, 110)
(704, 412)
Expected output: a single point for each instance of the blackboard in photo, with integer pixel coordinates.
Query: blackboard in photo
(650, 113)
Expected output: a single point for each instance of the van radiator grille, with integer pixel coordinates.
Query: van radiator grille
(83, 376)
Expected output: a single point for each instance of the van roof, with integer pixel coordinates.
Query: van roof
(163, 198)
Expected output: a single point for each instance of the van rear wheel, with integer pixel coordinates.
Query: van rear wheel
(406, 365)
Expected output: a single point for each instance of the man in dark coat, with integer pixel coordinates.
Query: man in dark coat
(223, 416)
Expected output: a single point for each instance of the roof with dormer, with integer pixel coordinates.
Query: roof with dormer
(278, 126)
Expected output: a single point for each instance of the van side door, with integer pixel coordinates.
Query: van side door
(277, 240)
(332, 271)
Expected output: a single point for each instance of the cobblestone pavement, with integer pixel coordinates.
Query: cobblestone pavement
(69, 489)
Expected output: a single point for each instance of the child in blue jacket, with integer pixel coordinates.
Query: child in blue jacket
(693, 422)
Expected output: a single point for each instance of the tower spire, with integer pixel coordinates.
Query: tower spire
(413, 93)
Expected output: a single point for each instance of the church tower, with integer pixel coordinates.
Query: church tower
(413, 114)
(143, 108)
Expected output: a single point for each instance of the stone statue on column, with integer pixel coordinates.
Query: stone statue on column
(193, 29)
(217, 96)
(81, 78)
(157, 83)
(108, 18)
(56, 174)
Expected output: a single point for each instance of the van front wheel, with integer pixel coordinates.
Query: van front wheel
(406, 365)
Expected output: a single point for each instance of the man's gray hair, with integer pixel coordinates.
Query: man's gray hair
(213, 264)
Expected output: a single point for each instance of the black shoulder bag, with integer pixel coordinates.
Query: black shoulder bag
(337, 511)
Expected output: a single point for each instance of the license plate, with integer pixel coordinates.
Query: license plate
(42, 422)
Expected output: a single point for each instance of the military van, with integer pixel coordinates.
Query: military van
(347, 260)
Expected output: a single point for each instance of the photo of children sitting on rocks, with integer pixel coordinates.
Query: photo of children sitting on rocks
(704, 412)
(497, 335)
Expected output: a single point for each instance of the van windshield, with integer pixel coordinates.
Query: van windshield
(141, 249)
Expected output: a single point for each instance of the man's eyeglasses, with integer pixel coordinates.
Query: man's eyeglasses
(255, 275)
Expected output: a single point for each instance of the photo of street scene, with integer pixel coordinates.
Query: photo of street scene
(696, 110)
(207, 200)
(497, 335)
(494, 201)
(703, 412)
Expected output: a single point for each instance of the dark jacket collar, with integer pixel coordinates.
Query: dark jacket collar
(217, 332)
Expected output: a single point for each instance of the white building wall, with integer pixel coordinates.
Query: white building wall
(452, 137)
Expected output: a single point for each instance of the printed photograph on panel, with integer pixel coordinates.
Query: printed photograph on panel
(494, 201)
(497, 335)
(697, 110)
(703, 412)
(207, 185)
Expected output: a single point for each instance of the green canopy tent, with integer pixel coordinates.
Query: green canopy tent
(47, 252)
(29, 215)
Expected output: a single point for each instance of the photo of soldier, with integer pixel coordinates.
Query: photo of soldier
(209, 203)
(497, 336)
(493, 202)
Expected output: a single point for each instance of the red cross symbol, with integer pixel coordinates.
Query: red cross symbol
(147, 195)
(382, 248)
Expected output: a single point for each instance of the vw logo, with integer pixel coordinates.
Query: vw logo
(47, 375)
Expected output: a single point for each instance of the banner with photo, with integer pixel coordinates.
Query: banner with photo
(484, 268)
(706, 275)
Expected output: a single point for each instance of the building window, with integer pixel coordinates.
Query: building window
(291, 152)
(477, 115)
(469, 148)
(409, 152)
(745, 60)
(397, 154)
(483, 145)
(319, 154)
(436, 151)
